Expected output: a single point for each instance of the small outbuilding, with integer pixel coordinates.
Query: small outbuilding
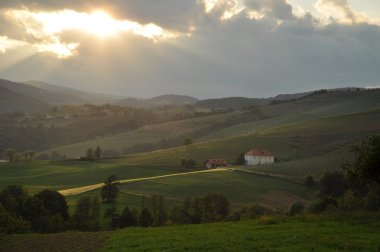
(258, 156)
(214, 163)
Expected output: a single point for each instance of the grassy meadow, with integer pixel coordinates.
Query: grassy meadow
(309, 233)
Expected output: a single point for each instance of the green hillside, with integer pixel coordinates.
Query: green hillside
(290, 142)
(216, 127)
(295, 234)
(146, 134)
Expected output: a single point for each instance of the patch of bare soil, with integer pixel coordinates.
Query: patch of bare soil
(62, 242)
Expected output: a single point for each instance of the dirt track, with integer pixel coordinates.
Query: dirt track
(83, 189)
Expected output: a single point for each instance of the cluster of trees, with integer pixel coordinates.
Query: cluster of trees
(188, 163)
(359, 187)
(13, 156)
(92, 154)
(155, 216)
(46, 211)
(210, 208)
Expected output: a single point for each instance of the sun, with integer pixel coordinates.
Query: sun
(48, 27)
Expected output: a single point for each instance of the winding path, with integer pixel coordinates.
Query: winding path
(83, 189)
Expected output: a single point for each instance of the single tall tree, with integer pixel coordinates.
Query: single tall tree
(188, 141)
(10, 153)
(110, 189)
(90, 154)
(241, 159)
(98, 152)
(145, 219)
(87, 214)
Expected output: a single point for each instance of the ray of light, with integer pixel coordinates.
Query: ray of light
(47, 27)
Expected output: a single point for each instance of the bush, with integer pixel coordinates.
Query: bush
(11, 224)
(333, 184)
(296, 208)
(310, 181)
(255, 211)
(324, 204)
(372, 200)
(349, 201)
(188, 163)
(268, 220)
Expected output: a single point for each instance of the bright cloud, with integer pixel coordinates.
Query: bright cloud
(342, 12)
(6, 43)
(48, 26)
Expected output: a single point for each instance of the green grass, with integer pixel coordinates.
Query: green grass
(311, 108)
(289, 143)
(240, 188)
(68, 174)
(287, 235)
(146, 134)
(352, 232)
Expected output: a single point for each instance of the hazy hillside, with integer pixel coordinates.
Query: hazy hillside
(45, 96)
(244, 102)
(169, 99)
(232, 102)
(238, 123)
(78, 96)
(11, 101)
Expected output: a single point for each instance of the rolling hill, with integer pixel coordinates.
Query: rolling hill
(244, 122)
(19, 95)
(75, 95)
(169, 99)
(42, 95)
(11, 101)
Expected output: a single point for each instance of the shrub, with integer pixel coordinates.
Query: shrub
(333, 184)
(12, 224)
(372, 200)
(296, 208)
(188, 163)
(323, 204)
(268, 220)
(310, 181)
(349, 201)
(255, 211)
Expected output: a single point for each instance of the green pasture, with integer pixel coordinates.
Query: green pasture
(306, 233)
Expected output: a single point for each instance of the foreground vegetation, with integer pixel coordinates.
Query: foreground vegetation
(348, 232)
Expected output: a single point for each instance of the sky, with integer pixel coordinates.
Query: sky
(202, 48)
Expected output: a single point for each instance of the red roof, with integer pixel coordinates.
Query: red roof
(217, 161)
(258, 152)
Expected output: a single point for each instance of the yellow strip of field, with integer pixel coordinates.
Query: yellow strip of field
(83, 189)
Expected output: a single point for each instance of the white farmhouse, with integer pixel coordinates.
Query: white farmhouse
(258, 156)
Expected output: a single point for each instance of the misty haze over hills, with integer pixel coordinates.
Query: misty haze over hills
(31, 96)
